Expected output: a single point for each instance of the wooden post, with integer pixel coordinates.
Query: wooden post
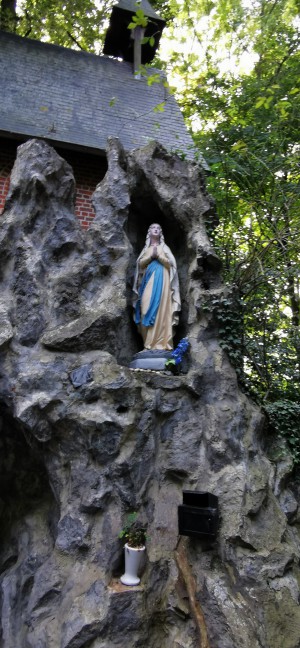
(137, 35)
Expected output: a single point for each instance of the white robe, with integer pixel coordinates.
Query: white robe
(160, 335)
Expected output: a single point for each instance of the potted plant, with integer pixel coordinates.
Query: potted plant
(134, 535)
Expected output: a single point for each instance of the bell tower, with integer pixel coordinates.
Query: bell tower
(127, 44)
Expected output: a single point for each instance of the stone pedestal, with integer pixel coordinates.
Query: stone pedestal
(154, 360)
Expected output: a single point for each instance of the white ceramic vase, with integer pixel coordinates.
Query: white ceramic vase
(133, 560)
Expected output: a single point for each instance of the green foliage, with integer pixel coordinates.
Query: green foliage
(138, 20)
(237, 70)
(81, 24)
(284, 419)
(133, 532)
(159, 107)
(8, 15)
(227, 309)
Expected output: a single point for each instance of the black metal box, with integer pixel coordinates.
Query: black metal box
(198, 516)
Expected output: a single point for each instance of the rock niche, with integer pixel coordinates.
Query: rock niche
(85, 440)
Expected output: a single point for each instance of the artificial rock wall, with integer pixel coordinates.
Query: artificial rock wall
(75, 460)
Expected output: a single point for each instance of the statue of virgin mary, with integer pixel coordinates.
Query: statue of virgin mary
(156, 292)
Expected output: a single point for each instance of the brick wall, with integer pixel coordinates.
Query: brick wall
(7, 157)
(88, 171)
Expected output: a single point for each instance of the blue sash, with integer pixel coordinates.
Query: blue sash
(149, 317)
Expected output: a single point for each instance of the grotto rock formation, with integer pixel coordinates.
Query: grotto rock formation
(82, 448)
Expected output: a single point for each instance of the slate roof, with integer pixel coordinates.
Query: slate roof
(80, 99)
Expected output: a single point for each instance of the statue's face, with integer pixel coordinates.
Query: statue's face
(155, 230)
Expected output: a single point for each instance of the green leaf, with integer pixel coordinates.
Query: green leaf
(153, 78)
(159, 107)
(260, 102)
(239, 145)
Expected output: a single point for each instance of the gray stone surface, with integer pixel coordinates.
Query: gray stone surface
(75, 460)
(81, 99)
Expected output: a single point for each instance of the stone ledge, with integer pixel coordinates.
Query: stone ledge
(117, 587)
